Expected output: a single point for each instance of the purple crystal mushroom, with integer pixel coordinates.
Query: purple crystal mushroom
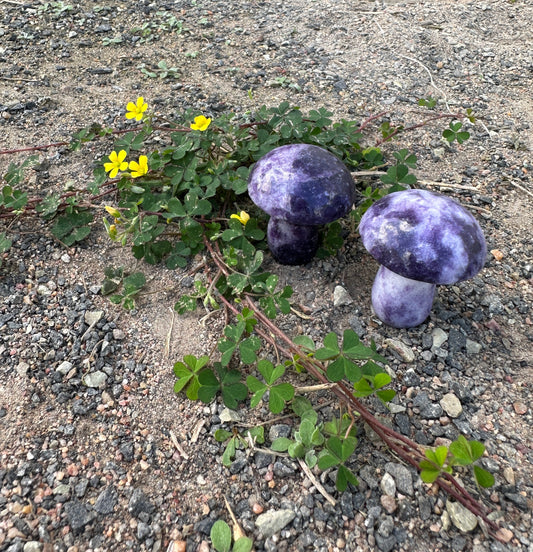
(301, 187)
(421, 239)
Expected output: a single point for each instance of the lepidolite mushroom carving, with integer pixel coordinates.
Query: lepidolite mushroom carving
(301, 187)
(420, 239)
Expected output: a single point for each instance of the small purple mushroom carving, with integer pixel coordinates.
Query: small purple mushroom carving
(421, 239)
(301, 187)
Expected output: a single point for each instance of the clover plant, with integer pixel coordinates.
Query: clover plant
(188, 196)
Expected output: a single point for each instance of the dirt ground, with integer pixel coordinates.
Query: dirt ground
(64, 65)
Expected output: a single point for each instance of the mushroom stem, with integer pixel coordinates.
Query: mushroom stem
(291, 244)
(401, 302)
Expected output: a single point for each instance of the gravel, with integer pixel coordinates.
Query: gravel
(97, 453)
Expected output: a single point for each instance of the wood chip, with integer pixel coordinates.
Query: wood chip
(176, 443)
(196, 431)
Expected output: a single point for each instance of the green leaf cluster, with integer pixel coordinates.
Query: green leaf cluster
(336, 453)
(235, 440)
(279, 393)
(306, 438)
(460, 453)
(454, 132)
(372, 382)
(237, 337)
(341, 358)
(222, 380)
(130, 285)
(73, 225)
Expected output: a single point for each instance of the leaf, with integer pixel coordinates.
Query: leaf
(185, 303)
(136, 280)
(449, 135)
(461, 451)
(305, 342)
(128, 303)
(234, 393)
(275, 375)
(345, 476)
(231, 233)
(296, 450)
(386, 396)
(483, 477)
(330, 349)
(275, 403)
(265, 368)
(177, 257)
(279, 395)
(381, 380)
(192, 390)
(116, 299)
(187, 373)
(437, 456)
(350, 341)
(255, 385)
(248, 348)
(209, 386)
(257, 434)
(272, 282)
(301, 406)
(229, 452)
(183, 373)
(175, 208)
(49, 205)
(222, 435)
(281, 444)
(317, 438)
(5, 243)
(243, 544)
(327, 460)
(227, 348)
(342, 449)
(477, 449)
(362, 388)
(429, 472)
(335, 370)
(238, 282)
(352, 371)
(311, 458)
(109, 286)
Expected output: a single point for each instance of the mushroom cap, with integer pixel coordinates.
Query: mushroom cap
(302, 184)
(424, 236)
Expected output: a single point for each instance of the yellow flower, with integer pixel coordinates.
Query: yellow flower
(243, 217)
(113, 232)
(136, 110)
(200, 123)
(116, 163)
(140, 168)
(112, 211)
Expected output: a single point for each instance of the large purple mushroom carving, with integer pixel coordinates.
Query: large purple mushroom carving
(420, 239)
(301, 187)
